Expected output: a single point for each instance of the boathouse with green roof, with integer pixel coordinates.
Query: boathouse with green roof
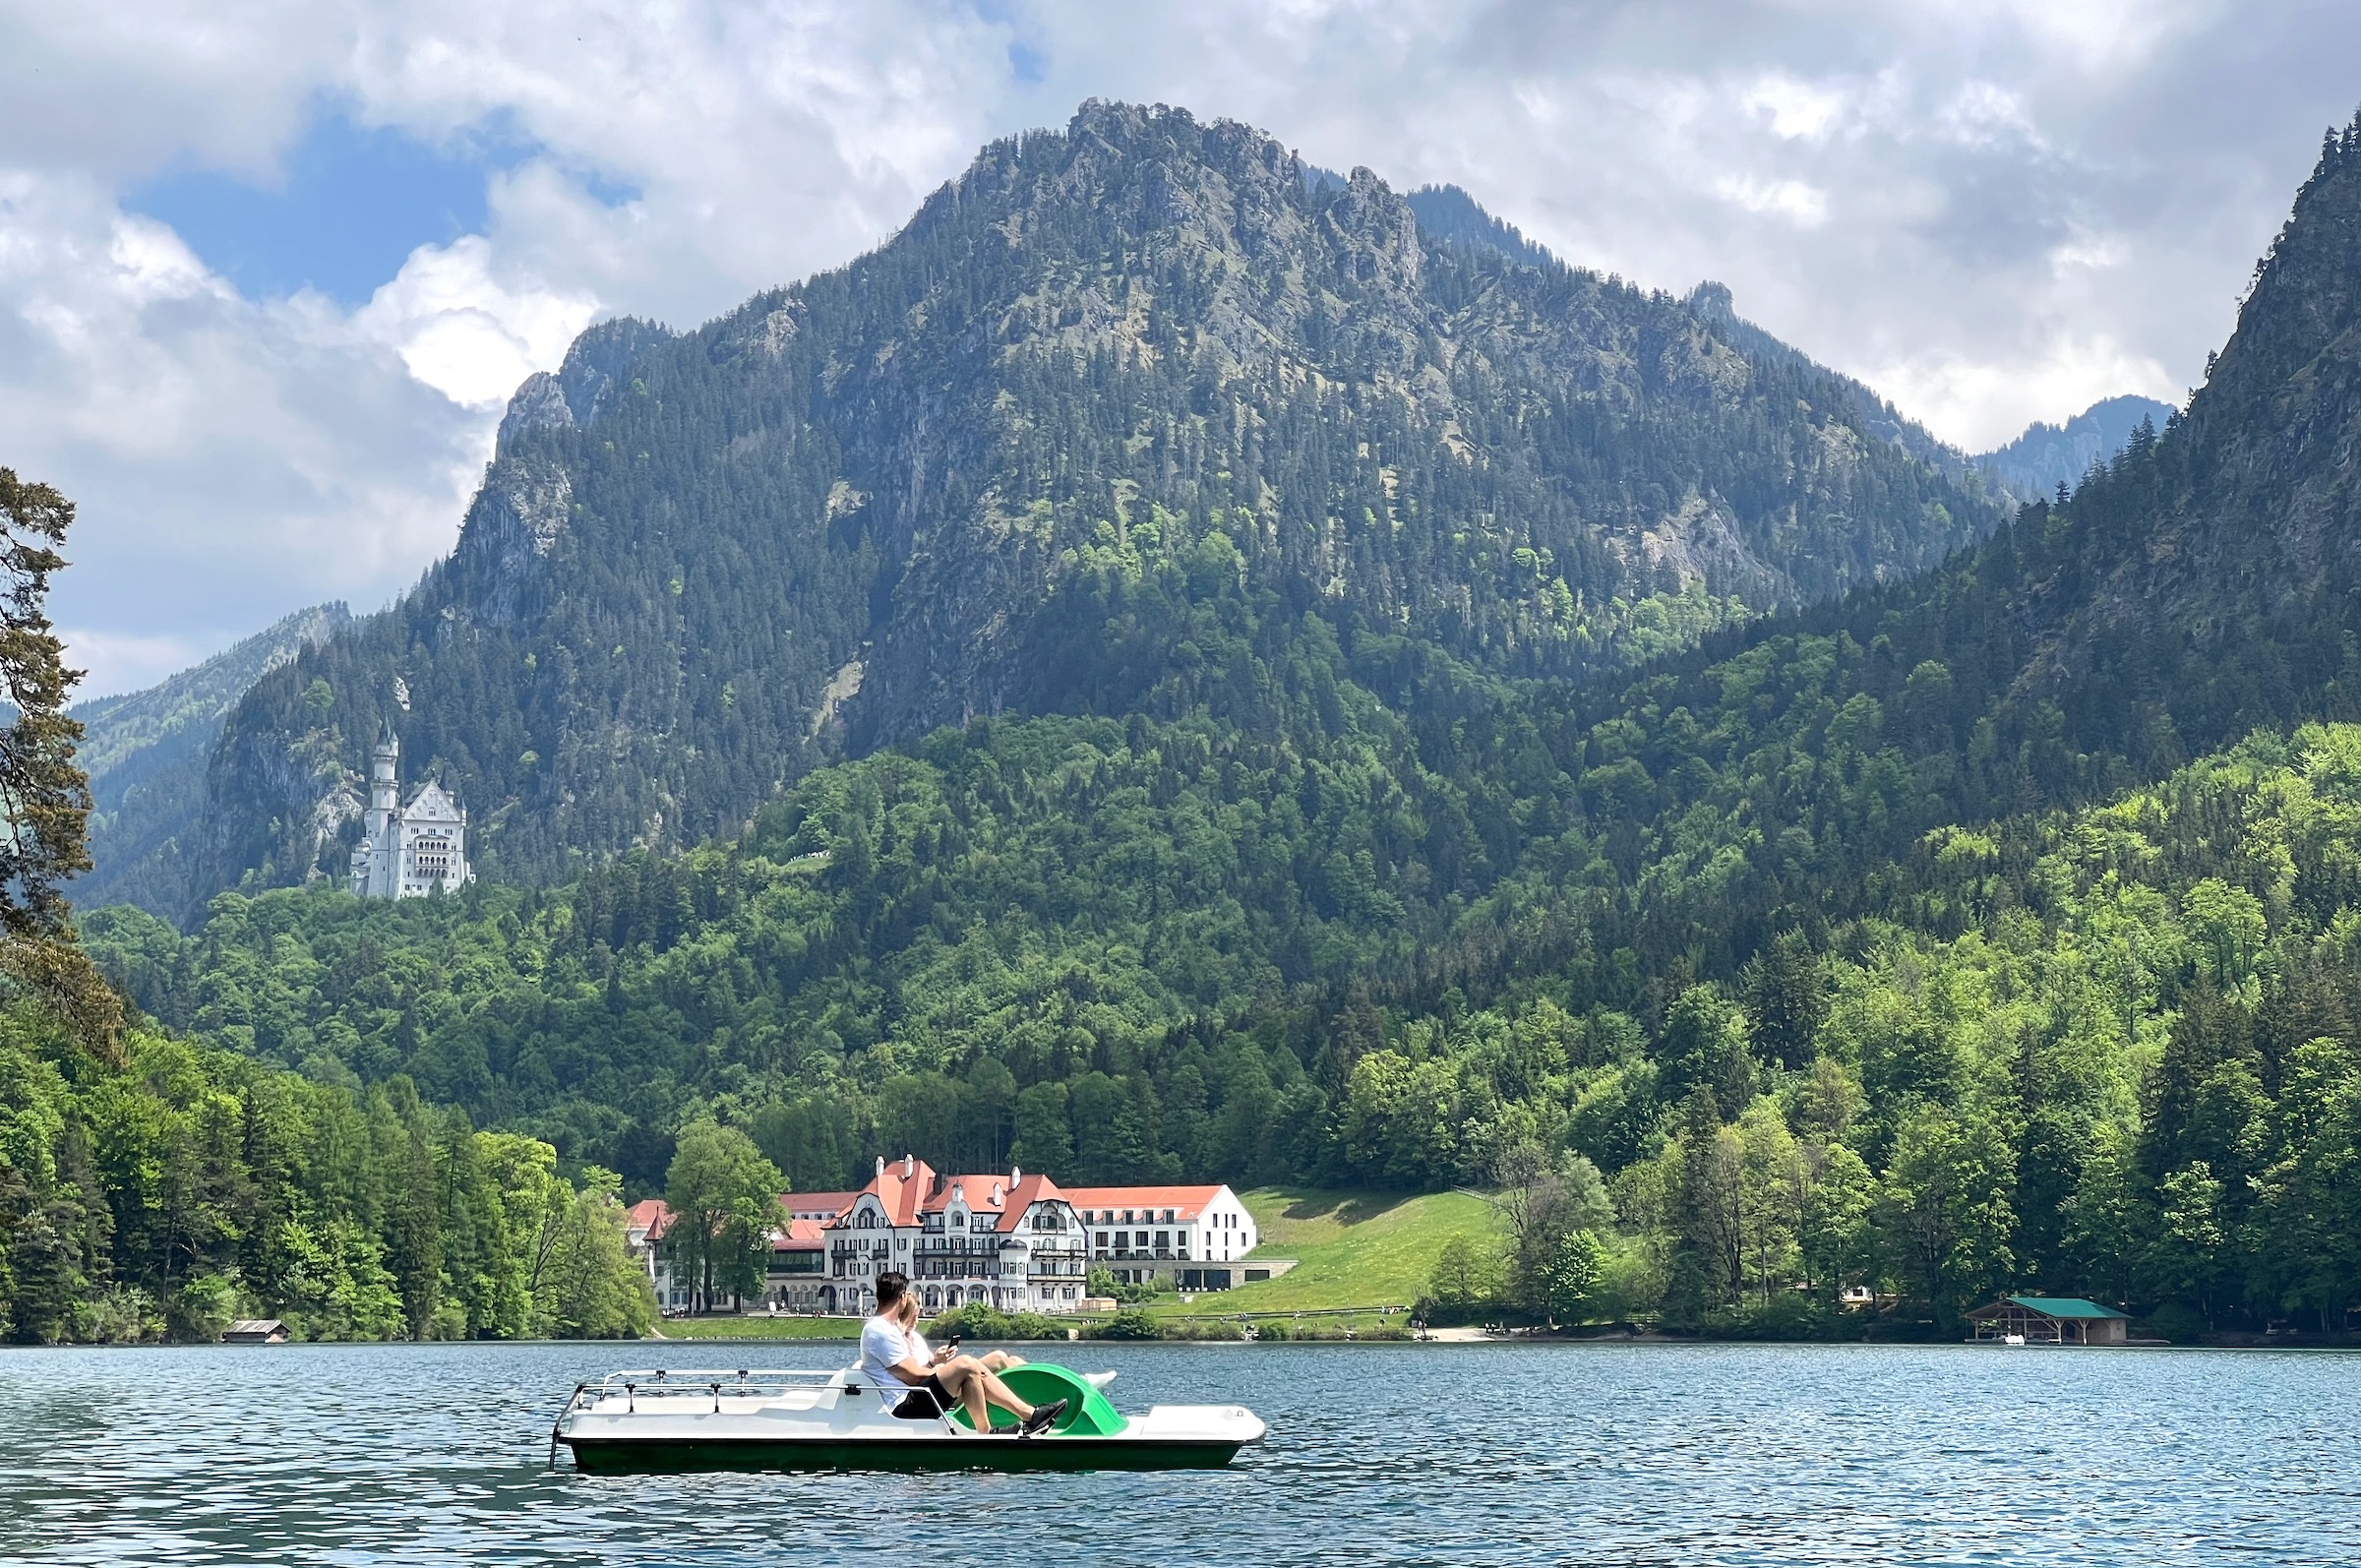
(2050, 1320)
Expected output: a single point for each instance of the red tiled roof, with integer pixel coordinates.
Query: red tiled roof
(1184, 1202)
(925, 1191)
(801, 1235)
(833, 1203)
(650, 1214)
(899, 1195)
(978, 1192)
(1032, 1190)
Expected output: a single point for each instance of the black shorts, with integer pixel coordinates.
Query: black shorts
(925, 1401)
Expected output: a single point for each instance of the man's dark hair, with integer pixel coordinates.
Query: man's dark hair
(890, 1285)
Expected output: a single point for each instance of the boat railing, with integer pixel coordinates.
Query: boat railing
(690, 1382)
(702, 1382)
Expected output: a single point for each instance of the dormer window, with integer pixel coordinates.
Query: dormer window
(958, 1222)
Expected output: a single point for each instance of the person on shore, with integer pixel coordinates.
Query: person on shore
(989, 1361)
(916, 1388)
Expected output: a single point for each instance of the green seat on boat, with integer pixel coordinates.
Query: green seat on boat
(1087, 1412)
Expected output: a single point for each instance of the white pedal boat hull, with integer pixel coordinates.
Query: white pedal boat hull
(634, 1423)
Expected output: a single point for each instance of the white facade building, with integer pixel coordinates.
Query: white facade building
(1175, 1231)
(1011, 1241)
(407, 851)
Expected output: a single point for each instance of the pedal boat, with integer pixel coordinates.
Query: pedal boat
(638, 1422)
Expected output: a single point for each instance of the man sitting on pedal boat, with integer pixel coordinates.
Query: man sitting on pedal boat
(932, 1386)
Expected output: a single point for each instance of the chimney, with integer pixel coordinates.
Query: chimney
(1016, 1173)
(880, 1167)
(909, 1166)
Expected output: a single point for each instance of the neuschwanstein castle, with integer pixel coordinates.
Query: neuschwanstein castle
(408, 853)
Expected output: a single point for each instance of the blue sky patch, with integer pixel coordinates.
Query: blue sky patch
(352, 205)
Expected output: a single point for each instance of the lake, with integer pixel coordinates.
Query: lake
(1452, 1454)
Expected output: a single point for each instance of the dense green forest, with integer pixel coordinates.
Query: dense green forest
(147, 754)
(2106, 1052)
(192, 1186)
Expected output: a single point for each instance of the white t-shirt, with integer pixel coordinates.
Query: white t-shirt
(884, 1346)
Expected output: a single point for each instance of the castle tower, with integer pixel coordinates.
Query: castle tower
(385, 790)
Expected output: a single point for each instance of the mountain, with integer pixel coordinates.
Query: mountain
(2045, 456)
(932, 485)
(147, 751)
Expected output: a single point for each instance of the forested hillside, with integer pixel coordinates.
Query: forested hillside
(2106, 1053)
(192, 1186)
(874, 503)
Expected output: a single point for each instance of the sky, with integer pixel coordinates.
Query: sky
(270, 269)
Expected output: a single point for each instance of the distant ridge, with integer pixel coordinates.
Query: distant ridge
(2045, 456)
(146, 753)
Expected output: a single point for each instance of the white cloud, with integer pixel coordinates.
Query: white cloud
(126, 661)
(1790, 200)
(230, 460)
(468, 335)
(1957, 392)
(1796, 109)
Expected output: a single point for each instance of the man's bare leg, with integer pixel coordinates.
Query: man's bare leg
(977, 1387)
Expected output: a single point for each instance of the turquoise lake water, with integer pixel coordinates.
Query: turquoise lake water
(1609, 1454)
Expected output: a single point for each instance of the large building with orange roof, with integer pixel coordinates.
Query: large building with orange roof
(1010, 1241)
(1015, 1241)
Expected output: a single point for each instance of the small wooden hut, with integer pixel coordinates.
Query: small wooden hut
(255, 1331)
(2050, 1320)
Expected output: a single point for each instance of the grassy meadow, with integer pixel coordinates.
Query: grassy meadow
(1353, 1249)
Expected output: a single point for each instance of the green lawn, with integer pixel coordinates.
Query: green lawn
(759, 1328)
(1352, 1248)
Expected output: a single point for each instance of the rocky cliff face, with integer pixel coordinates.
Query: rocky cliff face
(1139, 341)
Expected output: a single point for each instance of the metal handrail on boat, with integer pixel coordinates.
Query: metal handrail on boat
(738, 1383)
(675, 1382)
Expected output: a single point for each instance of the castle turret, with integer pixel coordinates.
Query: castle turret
(385, 790)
